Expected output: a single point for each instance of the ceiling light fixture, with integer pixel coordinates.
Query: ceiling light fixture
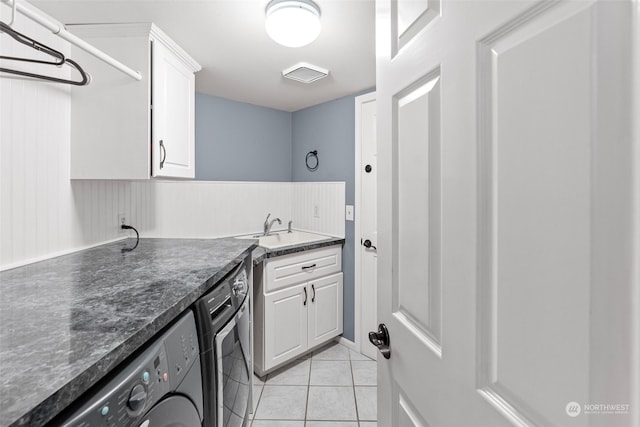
(293, 23)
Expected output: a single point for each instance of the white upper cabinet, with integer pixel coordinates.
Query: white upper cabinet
(127, 129)
(172, 128)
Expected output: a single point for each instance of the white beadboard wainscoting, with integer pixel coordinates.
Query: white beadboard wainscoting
(42, 212)
(42, 218)
(328, 197)
(205, 209)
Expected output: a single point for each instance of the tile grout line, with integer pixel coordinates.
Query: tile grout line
(255, 407)
(305, 421)
(306, 408)
(353, 382)
(259, 399)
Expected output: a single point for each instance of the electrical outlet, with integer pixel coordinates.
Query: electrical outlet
(316, 211)
(122, 220)
(349, 212)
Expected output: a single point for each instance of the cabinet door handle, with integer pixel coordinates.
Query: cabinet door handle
(307, 267)
(313, 296)
(305, 296)
(164, 153)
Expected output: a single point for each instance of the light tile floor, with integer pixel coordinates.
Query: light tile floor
(333, 387)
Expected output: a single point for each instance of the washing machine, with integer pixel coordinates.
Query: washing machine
(160, 387)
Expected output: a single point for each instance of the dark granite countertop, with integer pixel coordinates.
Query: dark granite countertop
(260, 253)
(68, 321)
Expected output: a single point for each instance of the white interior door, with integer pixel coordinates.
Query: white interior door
(507, 203)
(366, 217)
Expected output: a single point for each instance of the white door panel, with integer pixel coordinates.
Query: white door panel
(539, 220)
(506, 212)
(407, 415)
(409, 17)
(417, 184)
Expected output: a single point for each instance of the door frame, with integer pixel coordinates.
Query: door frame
(358, 333)
(635, 110)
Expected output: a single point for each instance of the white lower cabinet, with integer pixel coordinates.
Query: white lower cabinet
(292, 320)
(285, 322)
(325, 311)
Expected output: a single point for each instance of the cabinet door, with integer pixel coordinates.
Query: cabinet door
(173, 99)
(285, 318)
(325, 309)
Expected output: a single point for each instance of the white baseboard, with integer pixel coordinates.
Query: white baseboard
(347, 343)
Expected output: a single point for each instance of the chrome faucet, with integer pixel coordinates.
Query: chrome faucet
(268, 225)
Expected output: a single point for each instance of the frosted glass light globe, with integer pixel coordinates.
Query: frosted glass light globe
(293, 23)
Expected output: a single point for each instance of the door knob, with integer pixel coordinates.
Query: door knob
(367, 168)
(367, 244)
(381, 340)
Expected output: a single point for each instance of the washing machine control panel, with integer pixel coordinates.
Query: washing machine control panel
(144, 382)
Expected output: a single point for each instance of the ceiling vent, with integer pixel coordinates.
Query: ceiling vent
(305, 73)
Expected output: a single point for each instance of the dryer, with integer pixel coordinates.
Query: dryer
(162, 386)
(224, 332)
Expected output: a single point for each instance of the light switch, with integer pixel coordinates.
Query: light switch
(349, 212)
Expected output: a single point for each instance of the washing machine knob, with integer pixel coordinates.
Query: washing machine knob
(137, 397)
(239, 287)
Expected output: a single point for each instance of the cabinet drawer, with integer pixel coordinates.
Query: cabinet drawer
(301, 267)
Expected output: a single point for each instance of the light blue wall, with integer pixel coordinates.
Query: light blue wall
(236, 141)
(330, 129)
(242, 142)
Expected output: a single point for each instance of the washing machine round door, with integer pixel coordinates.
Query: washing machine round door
(174, 411)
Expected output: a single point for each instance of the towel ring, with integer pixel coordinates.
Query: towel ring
(311, 155)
